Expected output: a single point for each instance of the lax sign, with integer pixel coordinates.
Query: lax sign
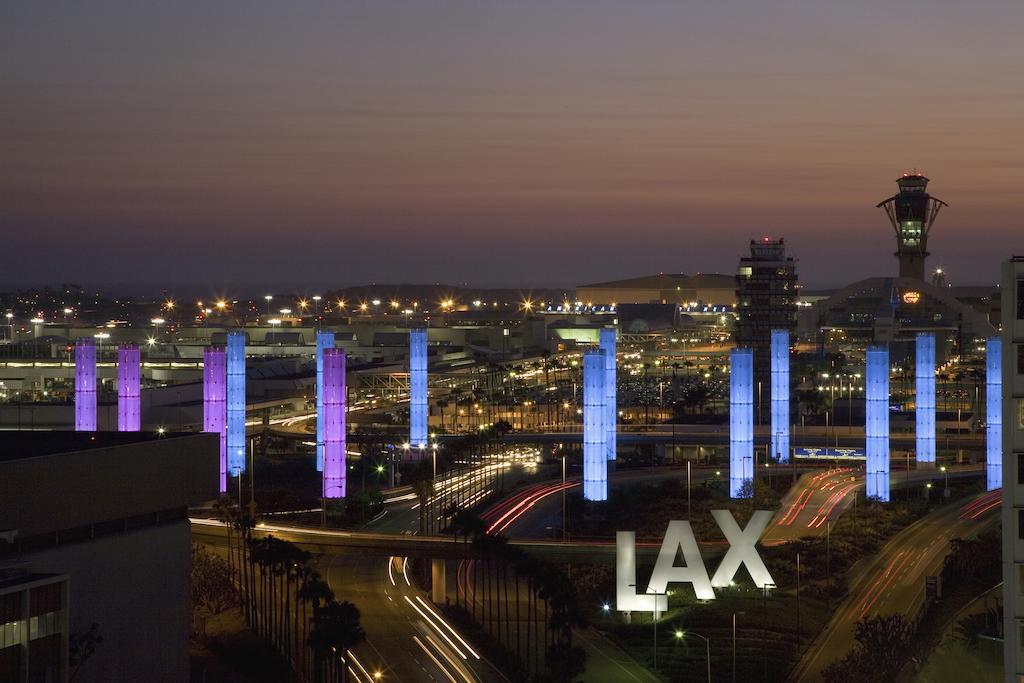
(742, 551)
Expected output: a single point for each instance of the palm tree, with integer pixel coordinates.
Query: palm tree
(546, 355)
(424, 490)
(441, 405)
(336, 629)
(313, 592)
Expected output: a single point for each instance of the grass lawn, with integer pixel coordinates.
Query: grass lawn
(952, 662)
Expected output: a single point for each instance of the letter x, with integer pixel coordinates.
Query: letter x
(742, 548)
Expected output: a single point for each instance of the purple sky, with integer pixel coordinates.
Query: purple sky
(520, 143)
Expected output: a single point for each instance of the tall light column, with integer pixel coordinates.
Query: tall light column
(993, 413)
(595, 452)
(334, 424)
(876, 427)
(418, 387)
(85, 385)
(324, 340)
(236, 403)
(129, 396)
(215, 403)
(611, 411)
(741, 423)
(780, 394)
(925, 400)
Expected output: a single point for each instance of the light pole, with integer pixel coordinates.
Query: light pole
(707, 647)
(734, 645)
(945, 493)
(238, 473)
(563, 498)
(268, 298)
(687, 489)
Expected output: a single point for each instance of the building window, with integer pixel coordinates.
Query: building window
(1020, 299)
(1020, 358)
(1020, 524)
(1020, 465)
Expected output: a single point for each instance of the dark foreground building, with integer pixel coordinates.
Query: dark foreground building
(766, 294)
(94, 530)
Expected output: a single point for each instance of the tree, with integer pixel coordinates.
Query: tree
(336, 629)
(81, 647)
(883, 647)
(424, 490)
(441, 405)
(565, 661)
(213, 590)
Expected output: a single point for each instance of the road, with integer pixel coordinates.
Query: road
(819, 498)
(407, 639)
(892, 581)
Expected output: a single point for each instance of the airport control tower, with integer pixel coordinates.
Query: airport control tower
(912, 212)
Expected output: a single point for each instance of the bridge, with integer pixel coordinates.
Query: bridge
(331, 541)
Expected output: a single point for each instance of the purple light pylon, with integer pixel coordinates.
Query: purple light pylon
(129, 397)
(215, 403)
(85, 385)
(334, 424)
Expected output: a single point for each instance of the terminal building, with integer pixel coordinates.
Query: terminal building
(709, 289)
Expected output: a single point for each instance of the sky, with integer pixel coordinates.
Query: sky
(527, 143)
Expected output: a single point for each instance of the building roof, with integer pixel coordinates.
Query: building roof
(669, 281)
(658, 281)
(33, 444)
(711, 280)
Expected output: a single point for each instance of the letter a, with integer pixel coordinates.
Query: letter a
(742, 548)
(665, 571)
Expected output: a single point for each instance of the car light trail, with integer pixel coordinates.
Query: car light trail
(435, 659)
(352, 657)
(978, 507)
(435, 627)
(796, 508)
(829, 505)
(442, 620)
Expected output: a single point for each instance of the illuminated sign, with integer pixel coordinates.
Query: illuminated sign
(911, 297)
(836, 453)
(679, 536)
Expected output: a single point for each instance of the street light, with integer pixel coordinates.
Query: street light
(734, 645)
(680, 635)
(269, 298)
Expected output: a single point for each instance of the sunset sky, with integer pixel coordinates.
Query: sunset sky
(506, 143)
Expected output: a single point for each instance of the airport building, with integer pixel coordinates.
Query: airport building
(892, 310)
(115, 552)
(766, 298)
(1013, 468)
(664, 288)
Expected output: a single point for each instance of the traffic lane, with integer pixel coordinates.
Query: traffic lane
(536, 513)
(818, 500)
(815, 501)
(398, 641)
(873, 579)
